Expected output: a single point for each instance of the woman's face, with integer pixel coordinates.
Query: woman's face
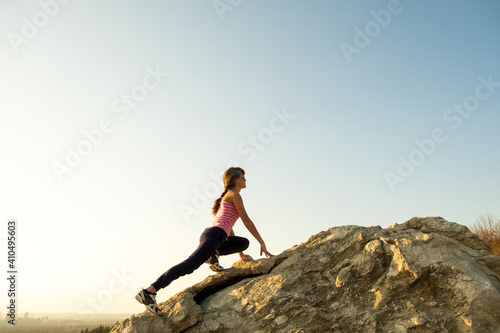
(241, 181)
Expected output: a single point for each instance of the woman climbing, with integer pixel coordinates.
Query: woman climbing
(215, 241)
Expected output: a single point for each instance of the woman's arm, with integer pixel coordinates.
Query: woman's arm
(238, 203)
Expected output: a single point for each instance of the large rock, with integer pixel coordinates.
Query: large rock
(425, 275)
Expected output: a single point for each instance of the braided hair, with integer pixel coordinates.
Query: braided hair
(229, 179)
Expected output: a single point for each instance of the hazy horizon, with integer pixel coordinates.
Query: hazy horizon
(119, 117)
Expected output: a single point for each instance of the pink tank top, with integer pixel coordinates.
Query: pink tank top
(226, 217)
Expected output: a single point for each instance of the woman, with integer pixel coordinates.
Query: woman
(215, 241)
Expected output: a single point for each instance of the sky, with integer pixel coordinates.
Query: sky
(118, 119)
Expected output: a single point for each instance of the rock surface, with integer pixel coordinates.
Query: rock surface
(425, 275)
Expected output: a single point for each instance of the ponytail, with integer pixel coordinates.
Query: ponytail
(217, 202)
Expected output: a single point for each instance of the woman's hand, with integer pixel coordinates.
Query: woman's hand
(263, 249)
(245, 257)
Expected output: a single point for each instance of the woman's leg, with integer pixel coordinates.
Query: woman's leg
(233, 244)
(210, 240)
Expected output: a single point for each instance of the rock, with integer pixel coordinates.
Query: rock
(425, 275)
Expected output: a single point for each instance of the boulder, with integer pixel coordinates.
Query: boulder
(424, 275)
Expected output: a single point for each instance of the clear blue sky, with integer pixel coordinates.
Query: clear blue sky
(118, 118)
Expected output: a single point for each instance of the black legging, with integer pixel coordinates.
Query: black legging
(212, 239)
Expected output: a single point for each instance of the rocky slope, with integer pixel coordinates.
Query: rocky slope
(425, 275)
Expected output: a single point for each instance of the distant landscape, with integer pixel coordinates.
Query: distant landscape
(59, 322)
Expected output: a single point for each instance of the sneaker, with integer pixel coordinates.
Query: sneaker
(213, 262)
(149, 300)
